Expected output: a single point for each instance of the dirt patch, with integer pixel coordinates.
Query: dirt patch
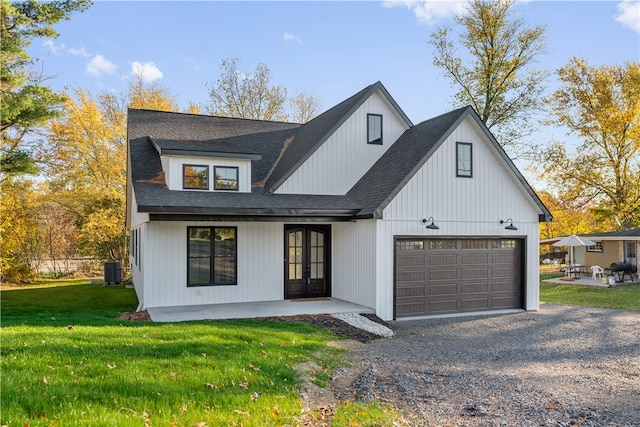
(136, 316)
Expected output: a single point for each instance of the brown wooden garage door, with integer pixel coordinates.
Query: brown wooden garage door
(444, 276)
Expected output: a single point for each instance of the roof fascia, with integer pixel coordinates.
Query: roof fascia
(245, 218)
(284, 212)
(200, 153)
(372, 89)
(546, 214)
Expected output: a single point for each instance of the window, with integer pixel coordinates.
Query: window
(464, 160)
(195, 177)
(442, 245)
(211, 256)
(474, 244)
(226, 178)
(374, 129)
(410, 245)
(503, 244)
(595, 248)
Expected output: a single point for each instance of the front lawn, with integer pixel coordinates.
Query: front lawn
(68, 360)
(620, 297)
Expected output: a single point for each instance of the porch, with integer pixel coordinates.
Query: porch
(247, 310)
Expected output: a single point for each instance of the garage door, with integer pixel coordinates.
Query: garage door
(445, 276)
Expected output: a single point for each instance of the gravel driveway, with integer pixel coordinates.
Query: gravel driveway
(559, 366)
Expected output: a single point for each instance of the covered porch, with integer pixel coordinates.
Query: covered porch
(247, 310)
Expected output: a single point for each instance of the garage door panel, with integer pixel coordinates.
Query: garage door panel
(442, 259)
(403, 276)
(436, 275)
(474, 287)
(475, 304)
(448, 276)
(474, 273)
(474, 259)
(442, 289)
(410, 291)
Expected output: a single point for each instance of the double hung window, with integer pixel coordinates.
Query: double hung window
(464, 159)
(374, 129)
(195, 177)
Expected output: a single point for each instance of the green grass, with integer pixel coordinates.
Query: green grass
(620, 297)
(68, 360)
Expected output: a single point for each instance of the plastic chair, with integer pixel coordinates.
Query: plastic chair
(597, 271)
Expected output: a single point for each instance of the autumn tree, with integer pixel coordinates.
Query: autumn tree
(599, 106)
(27, 102)
(567, 219)
(497, 76)
(253, 96)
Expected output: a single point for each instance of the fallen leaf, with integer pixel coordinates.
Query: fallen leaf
(183, 408)
(200, 424)
(210, 385)
(246, 414)
(254, 396)
(69, 327)
(111, 366)
(45, 380)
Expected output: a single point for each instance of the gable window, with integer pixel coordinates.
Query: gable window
(195, 177)
(211, 256)
(464, 159)
(374, 129)
(226, 178)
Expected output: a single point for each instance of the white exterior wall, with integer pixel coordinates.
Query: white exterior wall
(464, 207)
(345, 157)
(353, 261)
(260, 254)
(172, 166)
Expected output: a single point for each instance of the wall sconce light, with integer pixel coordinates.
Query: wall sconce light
(431, 226)
(510, 226)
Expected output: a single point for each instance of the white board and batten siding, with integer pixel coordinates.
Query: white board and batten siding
(461, 207)
(172, 167)
(345, 157)
(260, 271)
(353, 261)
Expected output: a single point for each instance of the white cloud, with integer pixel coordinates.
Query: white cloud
(79, 52)
(99, 65)
(288, 37)
(629, 14)
(429, 11)
(147, 71)
(53, 48)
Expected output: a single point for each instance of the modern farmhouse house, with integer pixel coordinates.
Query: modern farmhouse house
(358, 204)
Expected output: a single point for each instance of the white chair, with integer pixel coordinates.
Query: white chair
(597, 271)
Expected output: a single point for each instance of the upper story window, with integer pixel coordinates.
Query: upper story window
(195, 177)
(374, 129)
(226, 178)
(464, 159)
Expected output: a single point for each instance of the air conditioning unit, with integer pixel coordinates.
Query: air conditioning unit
(112, 273)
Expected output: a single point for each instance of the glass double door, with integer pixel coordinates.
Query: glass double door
(307, 261)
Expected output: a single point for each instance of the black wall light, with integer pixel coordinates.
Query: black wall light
(510, 222)
(431, 226)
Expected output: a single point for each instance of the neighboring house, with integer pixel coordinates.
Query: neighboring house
(358, 204)
(610, 247)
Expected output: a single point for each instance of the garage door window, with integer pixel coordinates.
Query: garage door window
(442, 245)
(474, 244)
(410, 245)
(504, 244)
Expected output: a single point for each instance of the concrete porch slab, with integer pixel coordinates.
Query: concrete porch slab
(589, 282)
(249, 310)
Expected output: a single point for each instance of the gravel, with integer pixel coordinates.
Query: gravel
(559, 366)
(361, 322)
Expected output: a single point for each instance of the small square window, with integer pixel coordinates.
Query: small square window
(464, 160)
(226, 178)
(374, 129)
(195, 177)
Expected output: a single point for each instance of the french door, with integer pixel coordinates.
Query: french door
(307, 261)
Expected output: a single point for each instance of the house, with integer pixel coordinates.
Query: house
(612, 246)
(358, 204)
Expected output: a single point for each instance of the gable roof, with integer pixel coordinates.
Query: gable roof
(310, 136)
(277, 149)
(375, 190)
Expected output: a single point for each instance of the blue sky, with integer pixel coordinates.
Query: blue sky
(331, 49)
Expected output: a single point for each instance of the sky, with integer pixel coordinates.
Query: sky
(330, 49)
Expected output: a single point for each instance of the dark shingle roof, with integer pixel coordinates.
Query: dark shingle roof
(276, 150)
(634, 232)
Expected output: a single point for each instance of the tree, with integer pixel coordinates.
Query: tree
(598, 105)
(249, 96)
(498, 80)
(567, 219)
(26, 102)
(304, 107)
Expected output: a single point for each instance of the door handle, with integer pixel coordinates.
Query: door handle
(308, 274)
